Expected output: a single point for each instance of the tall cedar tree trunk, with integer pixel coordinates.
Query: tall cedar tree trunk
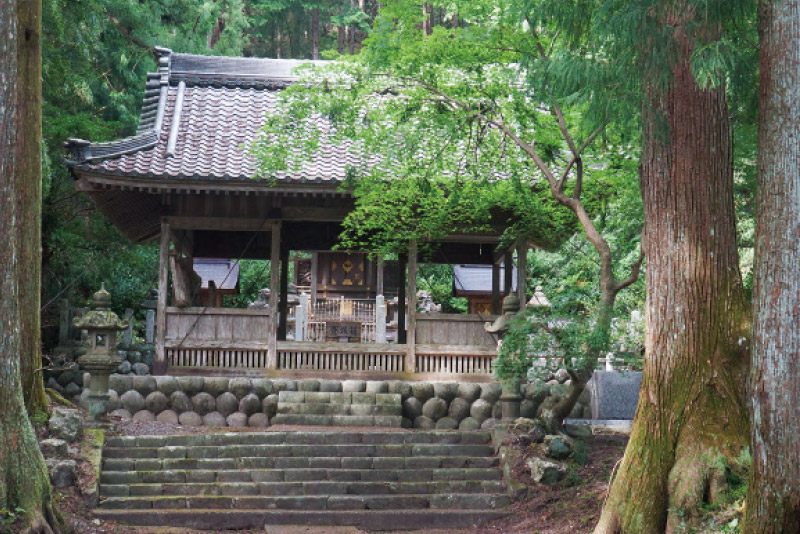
(29, 193)
(773, 500)
(315, 33)
(24, 482)
(691, 405)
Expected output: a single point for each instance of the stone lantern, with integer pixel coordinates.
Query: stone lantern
(101, 359)
(510, 398)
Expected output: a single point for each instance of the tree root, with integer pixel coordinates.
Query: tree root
(56, 398)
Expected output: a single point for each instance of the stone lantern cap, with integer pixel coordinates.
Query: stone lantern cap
(101, 317)
(539, 299)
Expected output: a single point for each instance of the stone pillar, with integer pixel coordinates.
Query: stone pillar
(127, 334)
(508, 273)
(301, 319)
(379, 282)
(150, 326)
(380, 319)
(511, 400)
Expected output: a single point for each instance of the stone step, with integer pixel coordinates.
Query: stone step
(299, 450)
(289, 462)
(302, 488)
(296, 408)
(394, 520)
(391, 421)
(299, 475)
(309, 397)
(303, 438)
(485, 501)
(339, 409)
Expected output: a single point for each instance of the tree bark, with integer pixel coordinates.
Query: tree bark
(773, 498)
(29, 192)
(24, 482)
(315, 33)
(691, 410)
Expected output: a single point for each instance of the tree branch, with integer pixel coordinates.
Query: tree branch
(576, 193)
(635, 270)
(124, 30)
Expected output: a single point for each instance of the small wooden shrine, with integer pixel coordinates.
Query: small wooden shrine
(187, 179)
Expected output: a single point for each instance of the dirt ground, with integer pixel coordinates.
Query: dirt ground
(571, 506)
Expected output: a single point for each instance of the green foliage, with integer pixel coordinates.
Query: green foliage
(253, 275)
(580, 452)
(9, 517)
(438, 280)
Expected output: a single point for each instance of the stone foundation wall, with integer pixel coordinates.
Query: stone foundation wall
(253, 402)
(66, 375)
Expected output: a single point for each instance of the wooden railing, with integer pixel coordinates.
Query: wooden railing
(342, 309)
(216, 324)
(235, 340)
(454, 329)
(340, 357)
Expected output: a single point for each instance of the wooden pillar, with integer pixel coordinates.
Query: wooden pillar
(283, 305)
(411, 336)
(314, 279)
(160, 363)
(401, 299)
(496, 289)
(379, 283)
(522, 260)
(508, 272)
(274, 268)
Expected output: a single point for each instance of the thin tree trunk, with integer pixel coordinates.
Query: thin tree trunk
(340, 39)
(24, 482)
(216, 32)
(773, 498)
(427, 18)
(29, 192)
(315, 33)
(691, 406)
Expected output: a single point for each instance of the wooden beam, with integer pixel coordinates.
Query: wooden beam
(495, 289)
(401, 299)
(283, 304)
(411, 336)
(182, 185)
(274, 268)
(220, 224)
(314, 276)
(160, 364)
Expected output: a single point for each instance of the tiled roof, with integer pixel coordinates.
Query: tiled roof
(224, 105)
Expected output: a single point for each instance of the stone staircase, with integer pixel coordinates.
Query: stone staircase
(339, 409)
(376, 480)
